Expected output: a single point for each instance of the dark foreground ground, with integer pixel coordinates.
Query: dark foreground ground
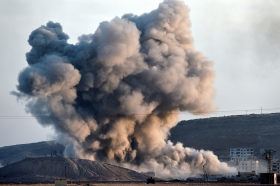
(143, 183)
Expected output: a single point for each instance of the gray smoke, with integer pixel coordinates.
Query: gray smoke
(115, 94)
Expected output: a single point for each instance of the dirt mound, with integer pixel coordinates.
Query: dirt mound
(46, 169)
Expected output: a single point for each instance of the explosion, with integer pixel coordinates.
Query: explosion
(115, 95)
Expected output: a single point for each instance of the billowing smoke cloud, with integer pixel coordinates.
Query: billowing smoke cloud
(115, 94)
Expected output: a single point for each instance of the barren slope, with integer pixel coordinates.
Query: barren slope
(46, 169)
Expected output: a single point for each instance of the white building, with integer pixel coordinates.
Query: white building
(243, 159)
(240, 154)
(248, 166)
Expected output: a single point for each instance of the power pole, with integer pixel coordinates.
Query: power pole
(205, 176)
(268, 155)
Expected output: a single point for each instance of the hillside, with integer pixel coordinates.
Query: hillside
(46, 169)
(11, 154)
(219, 134)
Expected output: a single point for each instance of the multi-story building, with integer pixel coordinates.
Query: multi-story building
(248, 166)
(276, 167)
(240, 154)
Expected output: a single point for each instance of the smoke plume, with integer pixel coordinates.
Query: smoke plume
(115, 94)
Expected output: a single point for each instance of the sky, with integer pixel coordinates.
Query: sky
(242, 38)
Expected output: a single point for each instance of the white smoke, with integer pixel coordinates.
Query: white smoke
(115, 95)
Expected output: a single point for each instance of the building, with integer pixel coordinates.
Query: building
(248, 166)
(276, 167)
(268, 178)
(240, 154)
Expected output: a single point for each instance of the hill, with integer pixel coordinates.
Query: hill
(46, 169)
(11, 154)
(219, 134)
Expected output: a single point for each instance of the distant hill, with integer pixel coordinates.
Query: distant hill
(219, 134)
(11, 154)
(46, 169)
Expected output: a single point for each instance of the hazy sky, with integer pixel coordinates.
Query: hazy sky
(242, 38)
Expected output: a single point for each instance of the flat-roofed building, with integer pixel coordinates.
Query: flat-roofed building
(240, 154)
(248, 166)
